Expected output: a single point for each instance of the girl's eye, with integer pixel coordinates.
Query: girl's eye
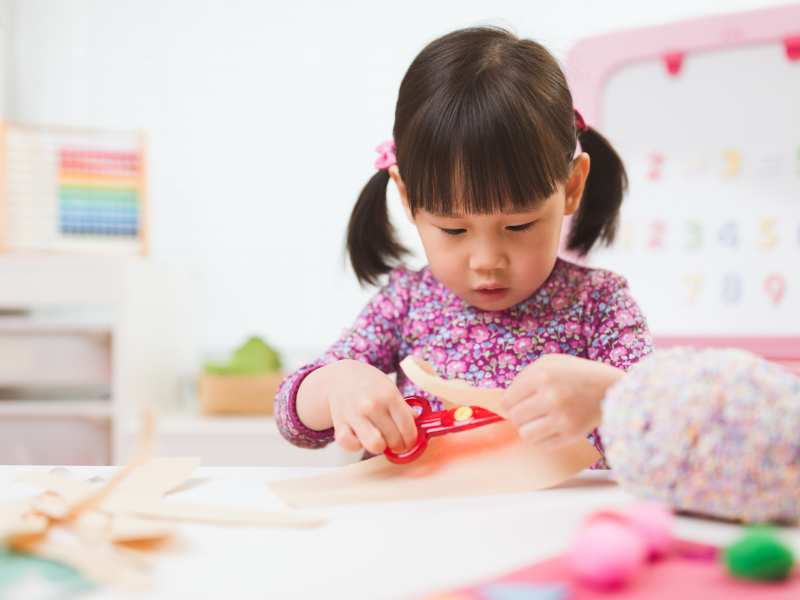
(522, 227)
(453, 231)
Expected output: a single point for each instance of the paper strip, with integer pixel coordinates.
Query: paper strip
(456, 391)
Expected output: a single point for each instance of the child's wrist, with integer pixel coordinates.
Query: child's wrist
(610, 375)
(312, 405)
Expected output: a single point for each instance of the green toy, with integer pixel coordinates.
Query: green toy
(759, 555)
(254, 357)
(16, 567)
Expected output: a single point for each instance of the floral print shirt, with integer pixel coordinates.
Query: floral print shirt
(580, 311)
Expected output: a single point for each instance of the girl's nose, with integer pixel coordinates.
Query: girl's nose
(487, 257)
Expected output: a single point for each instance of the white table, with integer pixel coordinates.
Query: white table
(388, 550)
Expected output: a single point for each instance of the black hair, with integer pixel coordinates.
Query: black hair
(485, 123)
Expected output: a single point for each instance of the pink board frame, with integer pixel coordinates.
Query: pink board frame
(592, 62)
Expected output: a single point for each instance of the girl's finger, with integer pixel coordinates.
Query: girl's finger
(538, 430)
(346, 438)
(511, 397)
(556, 442)
(343, 434)
(531, 409)
(384, 423)
(403, 416)
(520, 389)
(369, 436)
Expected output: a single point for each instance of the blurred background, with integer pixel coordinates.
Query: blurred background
(177, 178)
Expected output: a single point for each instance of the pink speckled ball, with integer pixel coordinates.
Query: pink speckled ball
(607, 553)
(714, 432)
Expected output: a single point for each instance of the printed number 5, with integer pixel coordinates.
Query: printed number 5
(768, 238)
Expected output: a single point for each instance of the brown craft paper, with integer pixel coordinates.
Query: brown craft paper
(486, 460)
(482, 461)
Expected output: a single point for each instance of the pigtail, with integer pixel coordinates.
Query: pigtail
(598, 214)
(371, 242)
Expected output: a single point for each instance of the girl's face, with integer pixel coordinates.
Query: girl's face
(496, 261)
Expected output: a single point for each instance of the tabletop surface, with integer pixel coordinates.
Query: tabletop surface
(390, 550)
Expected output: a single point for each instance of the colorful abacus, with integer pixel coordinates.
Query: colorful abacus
(99, 192)
(72, 190)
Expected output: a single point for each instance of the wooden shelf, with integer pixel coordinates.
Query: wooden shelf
(53, 326)
(55, 408)
(85, 341)
(203, 425)
(244, 441)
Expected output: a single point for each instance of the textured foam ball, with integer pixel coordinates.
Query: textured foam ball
(607, 554)
(708, 431)
(761, 556)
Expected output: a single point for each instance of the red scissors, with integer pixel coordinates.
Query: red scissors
(429, 424)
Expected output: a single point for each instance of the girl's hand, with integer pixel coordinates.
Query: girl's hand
(557, 399)
(365, 408)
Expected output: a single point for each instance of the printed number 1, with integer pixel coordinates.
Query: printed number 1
(656, 162)
(658, 230)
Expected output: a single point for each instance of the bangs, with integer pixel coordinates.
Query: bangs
(486, 149)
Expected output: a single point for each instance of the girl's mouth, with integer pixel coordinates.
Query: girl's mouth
(492, 293)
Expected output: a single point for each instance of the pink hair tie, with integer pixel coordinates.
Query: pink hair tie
(580, 124)
(386, 155)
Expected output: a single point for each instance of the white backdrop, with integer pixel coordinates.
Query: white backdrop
(262, 117)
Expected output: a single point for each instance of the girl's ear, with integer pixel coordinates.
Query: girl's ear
(394, 173)
(573, 190)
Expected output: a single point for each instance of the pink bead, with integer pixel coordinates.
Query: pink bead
(654, 523)
(607, 553)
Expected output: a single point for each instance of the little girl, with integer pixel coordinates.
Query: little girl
(485, 161)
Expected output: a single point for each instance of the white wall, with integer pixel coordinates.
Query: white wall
(263, 117)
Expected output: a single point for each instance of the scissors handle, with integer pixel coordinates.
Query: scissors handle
(442, 422)
(424, 409)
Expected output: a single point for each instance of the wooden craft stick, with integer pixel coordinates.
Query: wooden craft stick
(144, 503)
(69, 490)
(152, 479)
(103, 565)
(17, 520)
(157, 477)
(84, 525)
(141, 455)
(216, 515)
(127, 529)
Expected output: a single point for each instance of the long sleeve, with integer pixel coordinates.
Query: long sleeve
(618, 329)
(618, 333)
(374, 338)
